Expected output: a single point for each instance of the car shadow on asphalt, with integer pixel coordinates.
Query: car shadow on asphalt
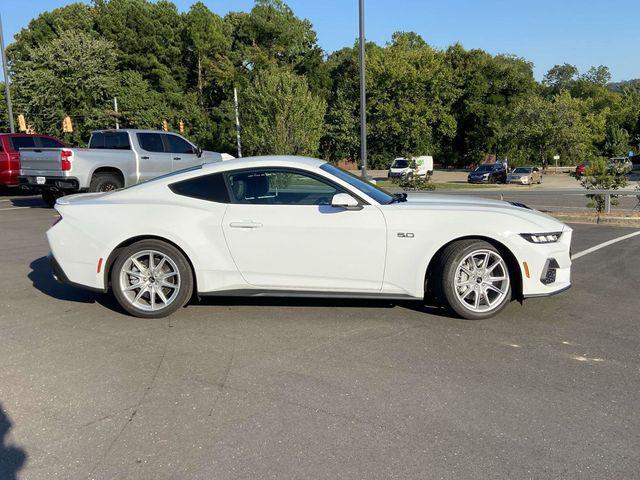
(33, 202)
(302, 302)
(12, 458)
(42, 279)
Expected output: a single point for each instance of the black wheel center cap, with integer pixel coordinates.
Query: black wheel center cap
(479, 280)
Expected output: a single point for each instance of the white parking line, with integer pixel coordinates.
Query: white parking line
(13, 208)
(604, 244)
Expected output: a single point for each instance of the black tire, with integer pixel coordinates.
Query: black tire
(185, 278)
(105, 182)
(50, 198)
(445, 278)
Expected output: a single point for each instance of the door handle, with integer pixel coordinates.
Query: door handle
(245, 224)
(177, 158)
(144, 158)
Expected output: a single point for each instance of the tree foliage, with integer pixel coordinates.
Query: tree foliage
(456, 104)
(280, 115)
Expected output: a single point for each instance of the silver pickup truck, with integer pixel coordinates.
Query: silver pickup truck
(114, 159)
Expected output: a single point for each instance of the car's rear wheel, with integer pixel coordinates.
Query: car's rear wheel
(49, 197)
(476, 281)
(151, 279)
(105, 182)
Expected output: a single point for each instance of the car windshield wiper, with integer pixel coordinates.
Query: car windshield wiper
(399, 197)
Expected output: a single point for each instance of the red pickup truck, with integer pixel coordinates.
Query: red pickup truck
(10, 145)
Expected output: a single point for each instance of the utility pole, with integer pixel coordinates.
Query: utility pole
(5, 70)
(115, 107)
(363, 96)
(235, 102)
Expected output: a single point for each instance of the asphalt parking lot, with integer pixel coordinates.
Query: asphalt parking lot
(274, 388)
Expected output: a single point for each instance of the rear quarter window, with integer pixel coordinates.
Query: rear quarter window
(206, 187)
(22, 142)
(110, 140)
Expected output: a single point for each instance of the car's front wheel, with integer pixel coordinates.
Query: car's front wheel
(476, 282)
(151, 279)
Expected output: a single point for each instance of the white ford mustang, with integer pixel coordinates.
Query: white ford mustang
(298, 226)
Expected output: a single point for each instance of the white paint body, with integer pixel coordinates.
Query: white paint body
(316, 249)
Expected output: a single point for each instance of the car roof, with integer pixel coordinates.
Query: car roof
(291, 161)
(131, 130)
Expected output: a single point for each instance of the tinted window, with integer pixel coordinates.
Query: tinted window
(151, 142)
(522, 170)
(110, 140)
(49, 143)
(206, 187)
(178, 144)
(280, 187)
(400, 164)
(378, 194)
(22, 142)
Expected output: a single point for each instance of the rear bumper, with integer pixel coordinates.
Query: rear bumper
(60, 276)
(9, 178)
(58, 184)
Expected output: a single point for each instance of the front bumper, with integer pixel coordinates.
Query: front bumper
(478, 180)
(519, 180)
(546, 268)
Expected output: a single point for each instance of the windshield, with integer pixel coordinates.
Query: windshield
(522, 170)
(400, 163)
(484, 168)
(379, 195)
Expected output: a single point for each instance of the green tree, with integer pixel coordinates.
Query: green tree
(560, 77)
(280, 115)
(74, 74)
(489, 88)
(600, 175)
(148, 37)
(208, 45)
(616, 141)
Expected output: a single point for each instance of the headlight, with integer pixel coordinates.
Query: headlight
(486, 175)
(524, 178)
(552, 237)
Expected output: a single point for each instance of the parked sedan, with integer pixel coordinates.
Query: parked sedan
(525, 176)
(293, 226)
(488, 173)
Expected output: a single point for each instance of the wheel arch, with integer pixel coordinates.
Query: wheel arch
(108, 169)
(111, 259)
(512, 263)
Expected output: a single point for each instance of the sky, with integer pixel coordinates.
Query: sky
(545, 32)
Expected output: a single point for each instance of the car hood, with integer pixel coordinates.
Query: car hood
(477, 205)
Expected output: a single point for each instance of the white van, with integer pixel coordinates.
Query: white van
(416, 166)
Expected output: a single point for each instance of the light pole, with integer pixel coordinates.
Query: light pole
(6, 79)
(363, 96)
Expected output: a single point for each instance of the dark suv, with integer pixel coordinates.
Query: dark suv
(488, 173)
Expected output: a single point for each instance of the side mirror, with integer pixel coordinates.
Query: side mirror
(346, 201)
(198, 152)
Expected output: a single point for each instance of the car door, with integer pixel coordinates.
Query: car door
(183, 153)
(283, 233)
(154, 160)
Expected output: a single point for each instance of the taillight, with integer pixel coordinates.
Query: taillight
(65, 160)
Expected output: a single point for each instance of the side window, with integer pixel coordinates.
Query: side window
(280, 187)
(151, 142)
(178, 144)
(110, 141)
(205, 187)
(46, 142)
(22, 142)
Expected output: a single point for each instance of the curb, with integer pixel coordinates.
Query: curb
(593, 219)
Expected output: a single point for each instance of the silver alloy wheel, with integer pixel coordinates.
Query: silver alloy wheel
(481, 281)
(150, 280)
